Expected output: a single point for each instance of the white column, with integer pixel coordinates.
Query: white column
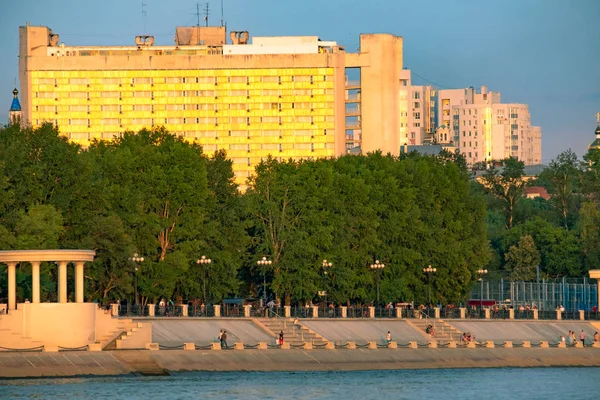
(79, 282)
(62, 281)
(35, 281)
(12, 285)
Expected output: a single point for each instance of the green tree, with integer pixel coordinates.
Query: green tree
(157, 186)
(522, 260)
(589, 227)
(223, 237)
(507, 186)
(39, 228)
(562, 178)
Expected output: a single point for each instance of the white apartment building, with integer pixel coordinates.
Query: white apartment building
(484, 129)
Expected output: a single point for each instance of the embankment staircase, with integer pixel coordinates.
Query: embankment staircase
(444, 332)
(294, 334)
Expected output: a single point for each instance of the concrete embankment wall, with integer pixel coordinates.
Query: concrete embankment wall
(518, 331)
(174, 332)
(151, 362)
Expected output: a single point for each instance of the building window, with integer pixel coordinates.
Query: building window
(417, 104)
(417, 115)
(416, 95)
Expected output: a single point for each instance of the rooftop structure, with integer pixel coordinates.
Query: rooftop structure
(14, 113)
(596, 143)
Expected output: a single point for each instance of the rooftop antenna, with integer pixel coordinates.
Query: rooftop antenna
(198, 14)
(206, 12)
(222, 14)
(144, 16)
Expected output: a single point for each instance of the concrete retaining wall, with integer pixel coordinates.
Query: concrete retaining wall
(153, 362)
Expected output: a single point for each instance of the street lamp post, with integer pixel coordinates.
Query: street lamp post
(136, 259)
(326, 265)
(263, 262)
(429, 271)
(204, 262)
(481, 273)
(377, 267)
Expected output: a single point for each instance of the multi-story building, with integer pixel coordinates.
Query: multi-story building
(279, 96)
(485, 129)
(422, 118)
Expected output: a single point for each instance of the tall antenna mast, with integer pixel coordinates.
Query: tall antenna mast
(198, 14)
(144, 16)
(222, 14)
(206, 12)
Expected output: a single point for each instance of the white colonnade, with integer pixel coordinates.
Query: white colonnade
(35, 257)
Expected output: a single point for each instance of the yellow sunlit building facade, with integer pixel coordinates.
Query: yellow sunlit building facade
(279, 96)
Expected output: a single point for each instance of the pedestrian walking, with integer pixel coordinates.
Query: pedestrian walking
(224, 340)
(280, 338)
(582, 337)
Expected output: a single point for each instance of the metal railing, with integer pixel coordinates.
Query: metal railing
(356, 312)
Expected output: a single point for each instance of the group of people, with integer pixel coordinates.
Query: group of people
(571, 339)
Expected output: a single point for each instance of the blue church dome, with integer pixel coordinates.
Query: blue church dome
(15, 106)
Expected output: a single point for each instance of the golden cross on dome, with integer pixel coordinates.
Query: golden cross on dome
(598, 118)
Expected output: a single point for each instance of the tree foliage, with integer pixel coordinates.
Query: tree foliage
(522, 259)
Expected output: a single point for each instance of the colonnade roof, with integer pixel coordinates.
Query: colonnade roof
(7, 256)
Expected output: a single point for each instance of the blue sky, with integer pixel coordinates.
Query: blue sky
(545, 53)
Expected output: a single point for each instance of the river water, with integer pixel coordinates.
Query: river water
(494, 383)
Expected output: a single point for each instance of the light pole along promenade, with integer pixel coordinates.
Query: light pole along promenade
(377, 267)
(429, 271)
(264, 262)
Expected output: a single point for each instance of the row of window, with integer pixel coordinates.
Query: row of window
(175, 80)
(184, 93)
(151, 121)
(183, 107)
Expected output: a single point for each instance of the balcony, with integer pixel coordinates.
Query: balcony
(353, 112)
(352, 85)
(352, 97)
(352, 126)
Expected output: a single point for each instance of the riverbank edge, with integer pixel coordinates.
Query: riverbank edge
(144, 362)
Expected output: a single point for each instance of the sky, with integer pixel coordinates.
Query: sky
(545, 53)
